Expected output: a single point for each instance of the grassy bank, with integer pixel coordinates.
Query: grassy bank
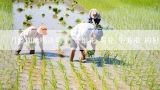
(127, 14)
(5, 14)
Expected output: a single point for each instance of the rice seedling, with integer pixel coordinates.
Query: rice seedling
(17, 80)
(78, 21)
(72, 9)
(67, 9)
(60, 43)
(55, 16)
(64, 32)
(78, 76)
(26, 2)
(56, 2)
(50, 7)
(82, 12)
(39, 5)
(28, 17)
(20, 9)
(61, 19)
(93, 66)
(65, 78)
(89, 80)
(56, 10)
(1, 88)
(33, 64)
(62, 22)
(43, 73)
(31, 6)
(75, 2)
(69, 27)
(43, 15)
(104, 83)
(31, 1)
(116, 85)
(24, 62)
(27, 22)
(67, 15)
(53, 80)
(90, 53)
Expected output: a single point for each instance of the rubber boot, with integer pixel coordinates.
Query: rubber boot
(32, 51)
(17, 52)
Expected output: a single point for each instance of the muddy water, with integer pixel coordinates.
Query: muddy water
(37, 19)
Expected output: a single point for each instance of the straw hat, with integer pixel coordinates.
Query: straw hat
(93, 13)
(42, 29)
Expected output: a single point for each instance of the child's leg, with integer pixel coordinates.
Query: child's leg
(32, 51)
(73, 49)
(83, 56)
(21, 41)
(72, 55)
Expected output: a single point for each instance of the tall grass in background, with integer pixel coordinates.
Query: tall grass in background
(5, 14)
(127, 14)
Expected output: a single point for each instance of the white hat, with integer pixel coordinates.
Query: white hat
(93, 13)
(42, 29)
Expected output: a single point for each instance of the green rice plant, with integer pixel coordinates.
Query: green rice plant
(31, 1)
(31, 6)
(33, 64)
(55, 16)
(67, 15)
(65, 78)
(56, 2)
(43, 15)
(61, 19)
(56, 10)
(104, 83)
(43, 73)
(62, 22)
(78, 21)
(89, 80)
(27, 23)
(1, 88)
(93, 66)
(24, 62)
(53, 80)
(104, 75)
(82, 12)
(90, 53)
(60, 43)
(39, 5)
(26, 2)
(50, 7)
(67, 87)
(28, 17)
(115, 81)
(20, 9)
(77, 75)
(30, 83)
(17, 80)
(69, 27)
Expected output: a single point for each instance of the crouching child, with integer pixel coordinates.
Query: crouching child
(80, 35)
(29, 35)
